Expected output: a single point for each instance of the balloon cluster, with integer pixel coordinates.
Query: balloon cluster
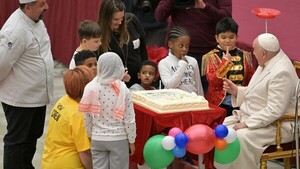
(159, 150)
(227, 145)
(175, 141)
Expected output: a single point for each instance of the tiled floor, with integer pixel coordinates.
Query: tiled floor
(58, 92)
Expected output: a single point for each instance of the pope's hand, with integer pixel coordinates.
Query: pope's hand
(229, 87)
(240, 126)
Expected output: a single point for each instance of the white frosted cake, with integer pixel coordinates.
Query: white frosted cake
(169, 100)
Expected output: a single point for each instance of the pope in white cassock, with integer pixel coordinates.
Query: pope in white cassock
(269, 95)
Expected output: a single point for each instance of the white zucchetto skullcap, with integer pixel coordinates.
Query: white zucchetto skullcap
(268, 42)
(26, 1)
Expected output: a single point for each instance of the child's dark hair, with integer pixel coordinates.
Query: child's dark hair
(150, 63)
(227, 25)
(176, 32)
(81, 56)
(89, 29)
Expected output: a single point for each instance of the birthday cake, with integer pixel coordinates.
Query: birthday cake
(169, 100)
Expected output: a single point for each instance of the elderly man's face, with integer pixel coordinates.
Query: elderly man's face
(259, 53)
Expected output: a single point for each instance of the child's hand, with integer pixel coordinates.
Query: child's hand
(184, 59)
(126, 77)
(199, 4)
(131, 149)
(227, 54)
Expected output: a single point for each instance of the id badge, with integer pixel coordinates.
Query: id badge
(136, 43)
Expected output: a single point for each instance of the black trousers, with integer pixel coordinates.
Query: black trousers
(24, 127)
(229, 109)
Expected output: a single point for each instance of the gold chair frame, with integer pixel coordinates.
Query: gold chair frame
(286, 155)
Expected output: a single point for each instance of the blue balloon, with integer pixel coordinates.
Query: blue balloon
(181, 140)
(178, 152)
(221, 131)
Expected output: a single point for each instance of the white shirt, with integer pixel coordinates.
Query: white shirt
(72, 64)
(26, 63)
(180, 74)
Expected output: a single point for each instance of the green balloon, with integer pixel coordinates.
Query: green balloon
(155, 155)
(229, 154)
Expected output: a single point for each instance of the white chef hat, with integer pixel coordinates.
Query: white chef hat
(269, 42)
(26, 1)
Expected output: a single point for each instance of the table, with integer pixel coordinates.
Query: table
(149, 123)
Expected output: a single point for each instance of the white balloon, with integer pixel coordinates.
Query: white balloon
(168, 142)
(231, 135)
(221, 166)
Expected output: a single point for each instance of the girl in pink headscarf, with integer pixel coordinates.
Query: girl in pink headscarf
(109, 118)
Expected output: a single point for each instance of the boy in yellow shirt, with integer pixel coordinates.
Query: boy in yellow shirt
(67, 144)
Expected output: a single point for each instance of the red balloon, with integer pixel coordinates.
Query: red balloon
(201, 139)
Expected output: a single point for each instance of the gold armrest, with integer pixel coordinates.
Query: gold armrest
(286, 117)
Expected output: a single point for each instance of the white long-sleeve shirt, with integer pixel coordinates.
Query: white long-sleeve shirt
(176, 73)
(106, 127)
(26, 63)
(72, 64)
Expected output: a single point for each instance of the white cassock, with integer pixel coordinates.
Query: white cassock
(269, 95)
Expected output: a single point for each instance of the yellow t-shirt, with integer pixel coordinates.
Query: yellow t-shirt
(66, 136)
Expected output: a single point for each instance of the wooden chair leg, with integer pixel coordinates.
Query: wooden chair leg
(263, 164)
(287, 163)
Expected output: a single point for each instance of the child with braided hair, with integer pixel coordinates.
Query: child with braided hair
(178, 70)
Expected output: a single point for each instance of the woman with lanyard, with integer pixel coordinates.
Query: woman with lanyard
(123, 34)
